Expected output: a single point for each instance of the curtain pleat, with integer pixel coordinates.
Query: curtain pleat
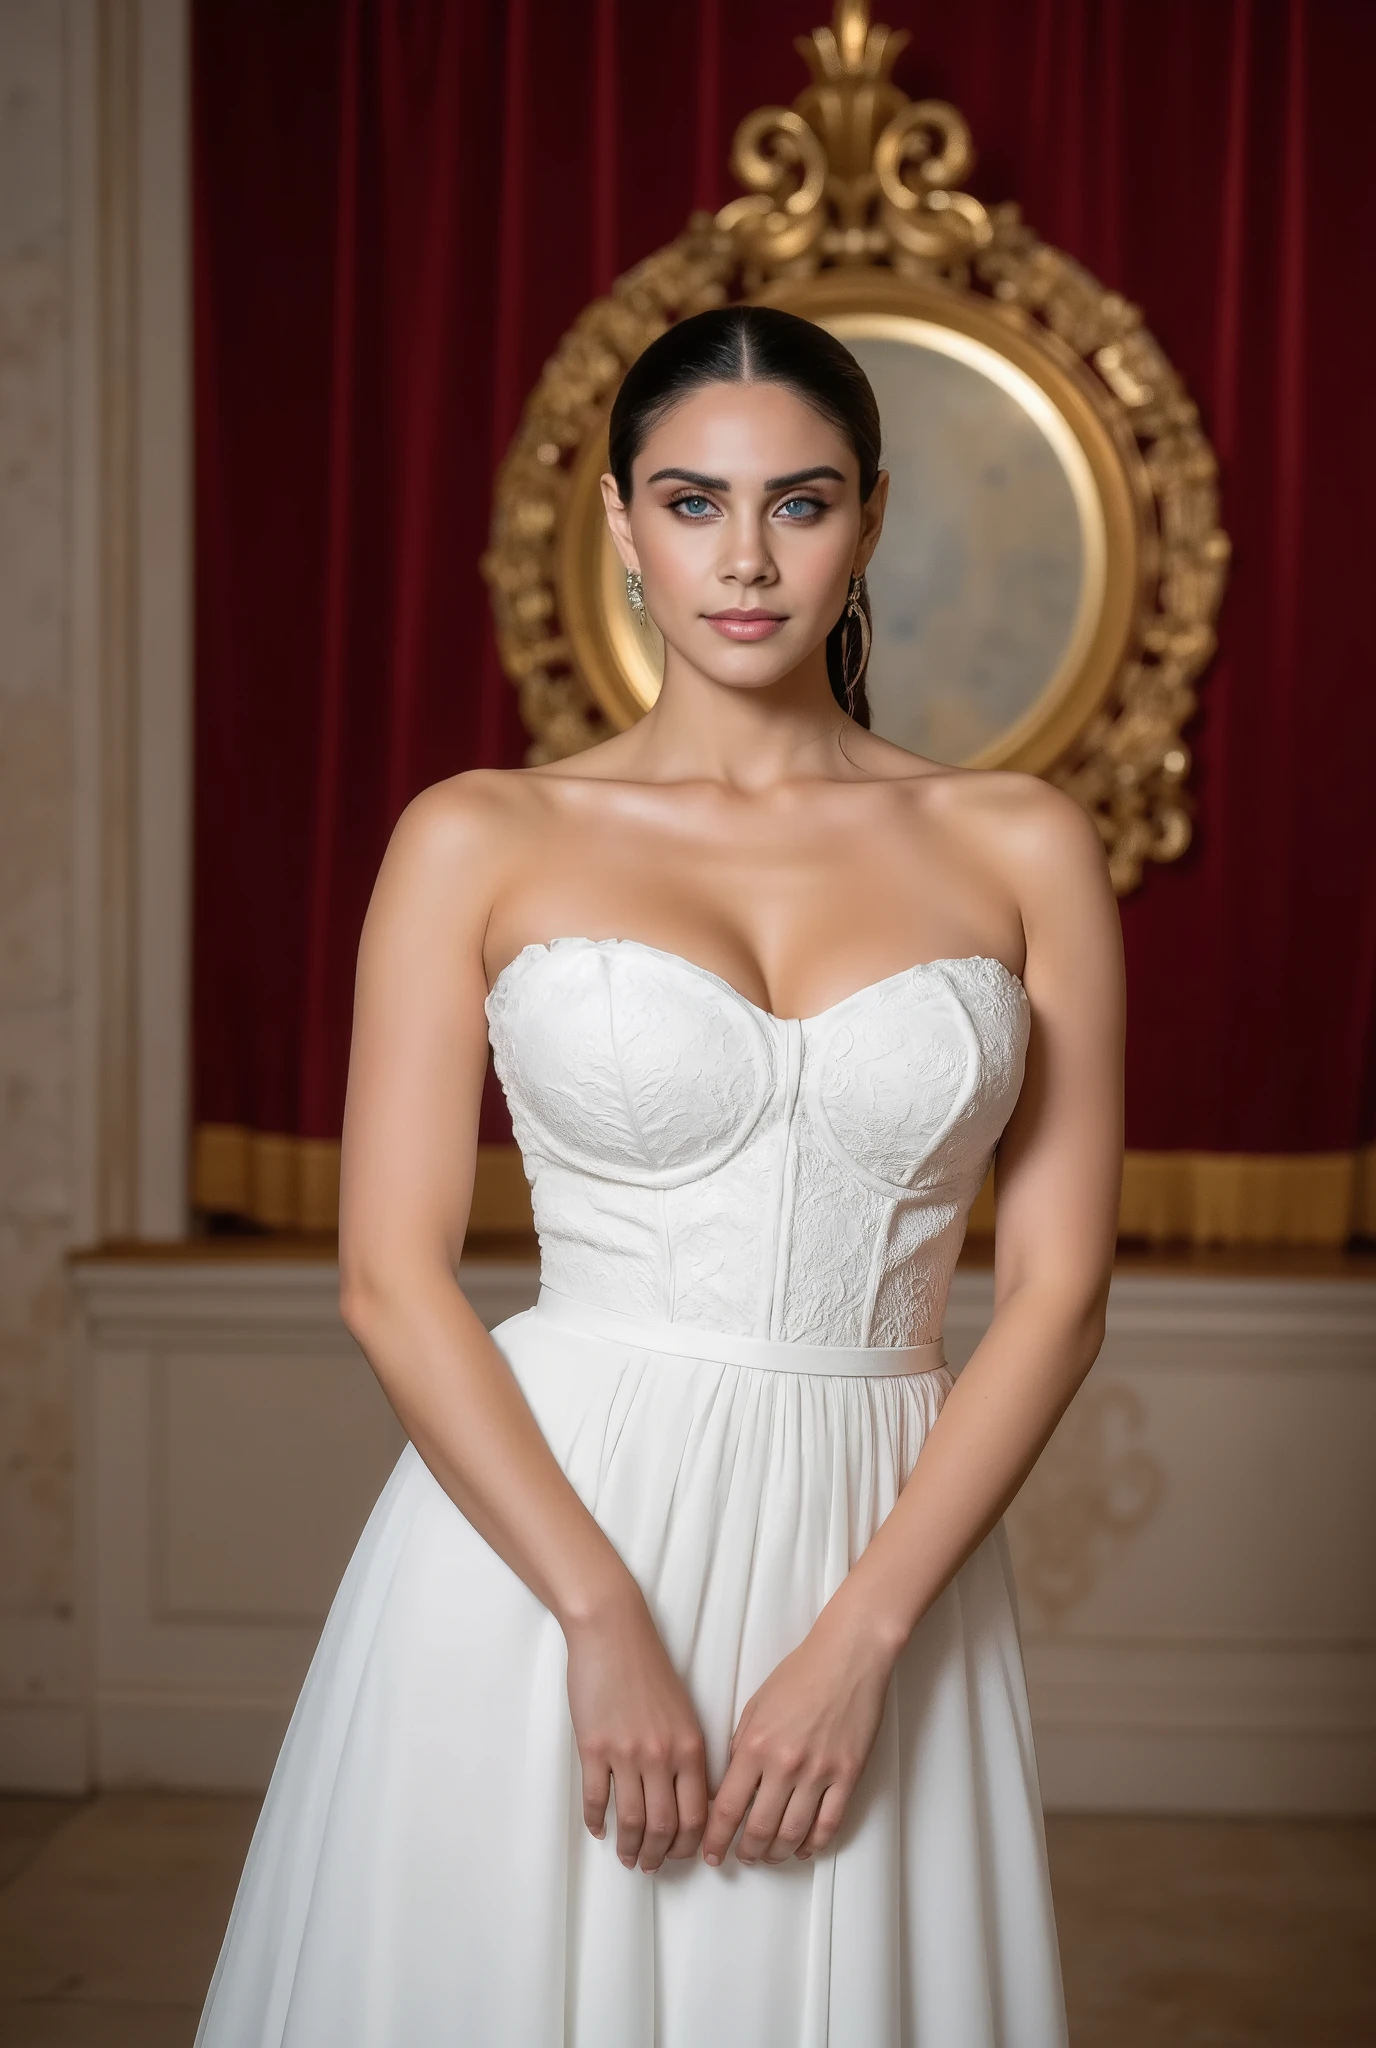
(399, 207)
(330, 793)
(709, 142)
(603, 141)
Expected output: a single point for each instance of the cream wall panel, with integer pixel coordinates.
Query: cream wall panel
(237, 1534)
(237, 1443)
(1194, 1555)
(138, 1643)
(1263, 1519)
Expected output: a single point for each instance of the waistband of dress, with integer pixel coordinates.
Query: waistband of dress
(687, 1340)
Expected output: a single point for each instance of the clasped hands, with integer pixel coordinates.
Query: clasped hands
(798, 1749)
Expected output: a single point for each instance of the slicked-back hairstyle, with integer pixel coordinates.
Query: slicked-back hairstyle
(753, 345)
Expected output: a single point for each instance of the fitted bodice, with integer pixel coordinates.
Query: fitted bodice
(694, 1157)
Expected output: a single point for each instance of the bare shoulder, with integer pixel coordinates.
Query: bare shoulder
(1043, 854)
(474, 819)
(1025, 829)
(449, 854)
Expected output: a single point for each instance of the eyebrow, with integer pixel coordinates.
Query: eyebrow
(690, 476)
(823, 473)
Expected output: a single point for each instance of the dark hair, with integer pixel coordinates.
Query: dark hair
(756, 345)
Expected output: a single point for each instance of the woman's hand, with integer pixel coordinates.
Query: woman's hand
(801, 1744)
(636, 1727)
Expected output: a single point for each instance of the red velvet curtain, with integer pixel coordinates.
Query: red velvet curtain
(401, 204)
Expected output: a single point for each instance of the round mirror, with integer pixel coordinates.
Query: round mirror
(1052, 563)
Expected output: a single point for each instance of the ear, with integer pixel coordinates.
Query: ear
(871, 522)
(619, 520)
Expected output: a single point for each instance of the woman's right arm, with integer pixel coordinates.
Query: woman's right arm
(416, 1070)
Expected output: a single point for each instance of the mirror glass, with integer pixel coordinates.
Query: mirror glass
(987, 584)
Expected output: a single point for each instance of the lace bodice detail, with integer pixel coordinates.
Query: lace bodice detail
(692, 1156)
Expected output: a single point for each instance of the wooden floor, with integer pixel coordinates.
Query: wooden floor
(1175, 1933)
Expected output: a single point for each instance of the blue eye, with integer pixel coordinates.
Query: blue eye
(693, 506)
(801, 508)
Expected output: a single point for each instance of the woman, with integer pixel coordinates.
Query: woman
(671, 1697)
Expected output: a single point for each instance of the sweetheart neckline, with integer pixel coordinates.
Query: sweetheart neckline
(694, 967)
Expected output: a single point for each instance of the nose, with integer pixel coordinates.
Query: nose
(745, 557)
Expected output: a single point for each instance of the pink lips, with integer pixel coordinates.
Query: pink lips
(745, 625)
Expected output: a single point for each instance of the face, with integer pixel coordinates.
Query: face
(746, 524)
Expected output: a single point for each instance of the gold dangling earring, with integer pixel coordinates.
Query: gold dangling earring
(857, 626)
(635, 594)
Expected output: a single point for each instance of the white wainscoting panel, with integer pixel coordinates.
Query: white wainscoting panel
(237, 1442)
(1194, 1549)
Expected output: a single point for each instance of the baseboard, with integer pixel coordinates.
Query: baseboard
(44, 1747)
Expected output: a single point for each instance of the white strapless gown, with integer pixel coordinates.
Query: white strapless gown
(747, 1229)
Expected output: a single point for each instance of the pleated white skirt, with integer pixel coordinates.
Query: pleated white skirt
(420, 1876)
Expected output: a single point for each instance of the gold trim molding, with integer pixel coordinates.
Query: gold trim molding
(266, 1177)
(852, 208)
(1321, 1199)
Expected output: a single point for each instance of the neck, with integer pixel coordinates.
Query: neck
(748, 739)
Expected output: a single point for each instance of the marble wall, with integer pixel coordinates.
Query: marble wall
(38, 1657)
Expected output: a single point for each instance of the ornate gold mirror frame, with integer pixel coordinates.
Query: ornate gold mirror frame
(852, 217)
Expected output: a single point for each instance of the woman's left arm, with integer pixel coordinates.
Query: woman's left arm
(804, 1737)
